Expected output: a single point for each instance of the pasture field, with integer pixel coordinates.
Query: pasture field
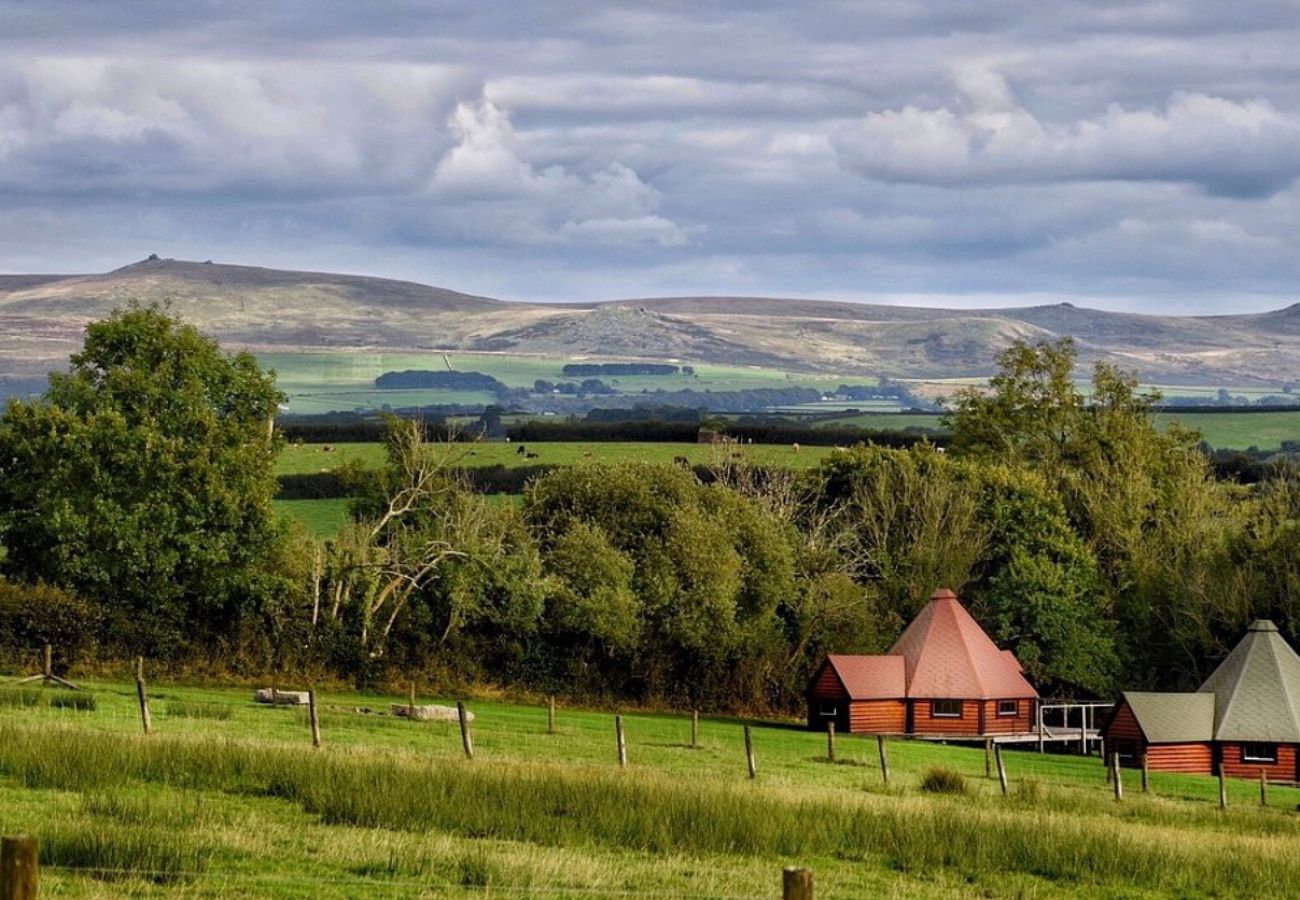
(228, 799)
(325, 382)
(1232, 429)
(323, 517)
(308, 458)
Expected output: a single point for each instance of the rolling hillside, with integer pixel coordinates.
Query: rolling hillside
(41, 317)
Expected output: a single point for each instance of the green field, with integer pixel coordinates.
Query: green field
(323, 518)
(228, 799)
(308, 458)
(326, 382)
(1233, 430)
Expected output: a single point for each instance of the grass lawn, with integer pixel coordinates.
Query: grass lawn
(228, 799)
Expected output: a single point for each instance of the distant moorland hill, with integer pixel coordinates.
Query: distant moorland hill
(41, 318)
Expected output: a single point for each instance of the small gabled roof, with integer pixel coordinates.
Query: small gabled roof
(870, 677)
(1257, 689)
(948, 655)
(1167, 718)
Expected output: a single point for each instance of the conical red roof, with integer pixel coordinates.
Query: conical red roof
(947, 655)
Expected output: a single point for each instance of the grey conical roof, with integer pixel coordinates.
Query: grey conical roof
(1257, 689)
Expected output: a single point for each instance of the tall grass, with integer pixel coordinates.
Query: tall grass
(192, 709)
(111, 852)
(575, 807)
(24, 698)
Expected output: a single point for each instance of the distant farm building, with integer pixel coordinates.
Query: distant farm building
(943, 677)
(1245, 717)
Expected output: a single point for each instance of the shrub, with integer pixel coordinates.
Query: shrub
(36, 614)
(942, 780)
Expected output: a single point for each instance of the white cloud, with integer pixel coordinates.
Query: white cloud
(1229, 147)
(508, 196)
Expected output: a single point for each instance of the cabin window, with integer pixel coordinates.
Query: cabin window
(1008, 707)
(828, 709)
(945, 709)
(1259, 753)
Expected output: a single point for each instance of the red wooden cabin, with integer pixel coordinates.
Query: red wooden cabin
(942, 677)
(1244, 719)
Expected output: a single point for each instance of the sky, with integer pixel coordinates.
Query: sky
(1126, 155)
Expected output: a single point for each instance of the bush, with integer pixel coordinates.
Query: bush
(942, 780)
(35, 614)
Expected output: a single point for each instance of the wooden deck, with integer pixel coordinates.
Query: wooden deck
(1059, 722)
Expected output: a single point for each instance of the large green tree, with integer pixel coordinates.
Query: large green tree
(142, 479)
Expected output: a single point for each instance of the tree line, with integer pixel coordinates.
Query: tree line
(135, 518)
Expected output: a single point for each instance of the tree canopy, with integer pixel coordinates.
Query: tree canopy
(142, 479)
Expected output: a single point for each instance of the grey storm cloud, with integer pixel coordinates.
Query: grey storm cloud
(1135, 155)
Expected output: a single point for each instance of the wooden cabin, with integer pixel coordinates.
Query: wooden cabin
(1243, 720)
(942, 677)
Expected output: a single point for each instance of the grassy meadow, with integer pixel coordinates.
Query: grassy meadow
(229, 799)
(1231, 429)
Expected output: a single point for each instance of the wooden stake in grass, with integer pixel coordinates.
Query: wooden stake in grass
(1146, 773)
(466, 741)
(1263, 787)
(1223, 788)
(830, 741)
(19, 868)
(796, 884)
(550, 714)
(145, 721)
(749, 753)
(313, 719)
(621, 740)
(695, 728)
(1115, 776)
(1002, 768)
(884, 758)
(988, 759)
(410, 703)
(47, 676)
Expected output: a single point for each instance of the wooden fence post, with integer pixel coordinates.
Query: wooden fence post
(410, 703)
(749, 753)
(47, 670)
(145, 721)
(988, 758)
(466, 741)
(884, 758)
(695, 728)
(550, 714)
(313, 718)
(20, 868)
(1083, 733)
(796, 884)
(1041, 735)
(1146, 773)
(830, 741)
(1115, 775)
(1002, 768)
(1223, 788)
(1263, 787)
(622, 742)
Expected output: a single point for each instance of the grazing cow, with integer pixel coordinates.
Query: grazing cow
(530, 455)
(328, 448)
(521, 450)
(796, 447)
